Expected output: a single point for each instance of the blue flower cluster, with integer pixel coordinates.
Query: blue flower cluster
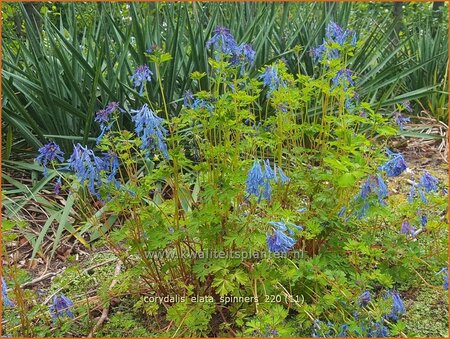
(400, 120)
(190, 101)
(374, 186)
(258, 182)
(271, 79)
(427, 184)
(334, 35)
(6, 301)
(277, 240)
(395, 165)
(408, 229)
(224, 43)
(103, 117)
(89, 167)
(373, 328)
(61, 307)
(149, 127)
(48, 153)
(141, 75)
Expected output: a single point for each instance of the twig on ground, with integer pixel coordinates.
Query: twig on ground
(38, 279)
(106, 307)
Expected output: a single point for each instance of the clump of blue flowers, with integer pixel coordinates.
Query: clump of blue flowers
(398, 308)
(6, 301)
(334, 35)
(190, 101)
(141, 75)
(89, 167)
(395, 165)
(364, 298)
(224, 43)
(149, 127)
(61, 307)
(103, 117)
(278, 241)
(427, 184)
(49, 153)
(258, 181)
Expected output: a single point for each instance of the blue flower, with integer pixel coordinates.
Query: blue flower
(141, 75)
(423, 220)
(283, 177)
(278, 241)
(111, 165)
(378, 330)
(148, 126)
(407, 105)
(407, 229)
(6, 301)
(48, 153)
(61, 307)
(270, 79)
(444, 271)
(103, 118)
(343, 332)
(57, 186)
(343, 77)
(364, 298)
(318, 52)
(190, 101)
(334, 35)
(401, 120)
(428, 182)
(222, 41)
(398, 308)
(269, 174)
(255, 179)
(395, 165)
(243, 55)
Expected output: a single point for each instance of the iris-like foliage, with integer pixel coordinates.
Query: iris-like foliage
(6, 301)
(278, 241)
(395, 165)
(149, 127)
(48, 153)
(61, 307)
(141, 75)
(364, 298)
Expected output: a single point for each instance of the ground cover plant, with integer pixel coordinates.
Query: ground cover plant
(265, 200)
